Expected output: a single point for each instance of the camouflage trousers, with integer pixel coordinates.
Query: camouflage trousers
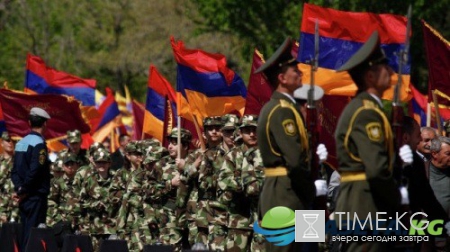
(197, 234)
(217, 238)
(258, 243)
(238, 240)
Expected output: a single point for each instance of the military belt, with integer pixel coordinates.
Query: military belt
(275, 171)
(353, 176)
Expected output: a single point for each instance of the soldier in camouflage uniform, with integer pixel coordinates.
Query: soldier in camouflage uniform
(95, 199)
(230, 123)
(217, 211)
(152, 192)
(201, 170)
(82, 174)
(172, 219)
(56, 168)
(74, 140)
(8, 208)
(231, 189)
(62, 199)
(252, 176)
(128, 182)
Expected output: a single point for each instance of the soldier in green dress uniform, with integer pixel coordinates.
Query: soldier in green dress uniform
(283, 141)
(364, 144)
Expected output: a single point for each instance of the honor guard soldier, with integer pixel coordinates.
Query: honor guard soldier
(364, 144)
(283, 141)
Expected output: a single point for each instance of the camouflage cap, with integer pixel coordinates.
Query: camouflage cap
(186, 135)
(57, 166)
(134, 146)
(101, 155)
(212, 121)
(70, 157)
(230, 121)
(155, 154)
(95, 146)
(249, 120)
(74, 136)
(6, 136)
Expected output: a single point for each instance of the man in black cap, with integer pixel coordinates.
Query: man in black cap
(283, 141)
(364, 144)
(31, 174)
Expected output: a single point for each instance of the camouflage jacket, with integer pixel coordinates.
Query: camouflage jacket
(8, 207)
(230, 193)
(62, 200)
(95, 199)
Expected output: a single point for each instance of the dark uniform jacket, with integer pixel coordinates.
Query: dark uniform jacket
(283, 142)
(365, 152)
(421, 195)
(31, 170)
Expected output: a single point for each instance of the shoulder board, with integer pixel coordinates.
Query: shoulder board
(369, 104)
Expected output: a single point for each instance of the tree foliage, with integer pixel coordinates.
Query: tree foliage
(112, 41)
(115, 41)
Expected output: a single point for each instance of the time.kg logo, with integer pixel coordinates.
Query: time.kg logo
(281, 226)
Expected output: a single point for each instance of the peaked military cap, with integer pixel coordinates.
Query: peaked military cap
(249, 120)
(212, 121)
(186, 135)
(39, 112)
(280, 58)
(368, 55)
(5, 136)
(134, 146)
(155, 154)
(74, 136)
(101, 155)
(230, 121)
(302, 92)
(57, 165)
(95, 146)
(70, 157)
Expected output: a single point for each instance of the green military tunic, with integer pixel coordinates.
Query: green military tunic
(365, 153)
(283, 142)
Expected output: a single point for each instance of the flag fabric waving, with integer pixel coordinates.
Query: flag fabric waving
(42, 79)
(109, 118)
(259, 91)
(16, 108)
(341, 34)
(138, 114)
(206, 84)
(438, 59)
(160, 106)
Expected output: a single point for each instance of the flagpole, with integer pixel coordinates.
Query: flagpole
(436, 110)
(428, 114)
(179, 136)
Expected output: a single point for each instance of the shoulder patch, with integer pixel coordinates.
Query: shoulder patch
(289, 127)
(42, 156)
(374, 131)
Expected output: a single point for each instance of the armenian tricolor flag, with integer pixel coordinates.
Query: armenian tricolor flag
(206, 84)
(42, 79)
(341, 34)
